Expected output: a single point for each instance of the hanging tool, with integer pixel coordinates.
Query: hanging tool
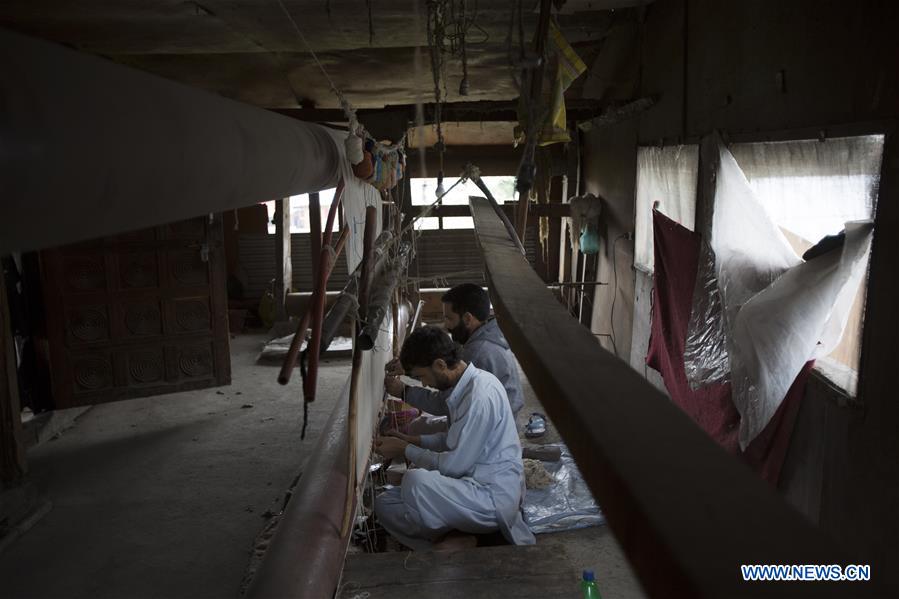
(290, 359)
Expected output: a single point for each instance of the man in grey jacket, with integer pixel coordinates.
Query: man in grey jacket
(466, 310)
(469, 478)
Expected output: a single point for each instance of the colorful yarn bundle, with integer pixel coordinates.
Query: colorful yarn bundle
(388, 164)
(399, 420)
(382, 166)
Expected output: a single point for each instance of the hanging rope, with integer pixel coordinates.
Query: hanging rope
(346, 106)
(321, 67)
(437, 47)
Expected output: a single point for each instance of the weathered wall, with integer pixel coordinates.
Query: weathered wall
(609, 172)
(748, 69)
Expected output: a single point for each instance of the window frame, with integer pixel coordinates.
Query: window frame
(440, 219)
(821, 375)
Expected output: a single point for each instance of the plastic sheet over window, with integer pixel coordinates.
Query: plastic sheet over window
(756, 297)
(812, 188)
(668, 176)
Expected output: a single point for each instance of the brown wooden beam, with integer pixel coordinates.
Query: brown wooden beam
(686, 513)
(863, 508)
(553, 242)
(283, 266)
(306, 553)
(315, 231)
(452, 112)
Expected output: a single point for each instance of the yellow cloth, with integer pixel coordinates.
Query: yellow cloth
(567, 66)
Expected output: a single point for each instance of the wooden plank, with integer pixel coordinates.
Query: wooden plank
(557, 193)
(536, 571)
(686, 513)
(12, 447)
(315, 231)
(218, 298)
(863, 509)
(283, 272)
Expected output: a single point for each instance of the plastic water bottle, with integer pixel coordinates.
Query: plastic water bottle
(588, 584)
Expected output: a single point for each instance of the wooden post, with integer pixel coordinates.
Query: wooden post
(12, 447)
(862, 509)
(315, 231)
(554, 241)
(368, 241)
(284, 269)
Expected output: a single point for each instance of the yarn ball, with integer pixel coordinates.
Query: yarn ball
(365, 167)
(535, 474)
(354, 150)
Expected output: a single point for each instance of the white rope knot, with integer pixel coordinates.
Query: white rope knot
(472, 172)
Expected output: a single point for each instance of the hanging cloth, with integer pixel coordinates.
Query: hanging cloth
(710, 406)
(566, 66)
(563, 66)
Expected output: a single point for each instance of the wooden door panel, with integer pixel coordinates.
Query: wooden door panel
(137, 314)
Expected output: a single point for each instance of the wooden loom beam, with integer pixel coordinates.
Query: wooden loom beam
(686, 513)
(368, 244)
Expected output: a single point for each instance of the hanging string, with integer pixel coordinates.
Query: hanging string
(314, 55)
(371, 24)
(463, 50)
(346, 106)
(437, 45)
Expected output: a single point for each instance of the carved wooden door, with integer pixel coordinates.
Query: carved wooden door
(138, 314)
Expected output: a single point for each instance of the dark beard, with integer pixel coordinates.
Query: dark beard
(442, 383)
(460, 334)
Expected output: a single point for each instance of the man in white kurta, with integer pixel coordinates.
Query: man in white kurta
(468, 478)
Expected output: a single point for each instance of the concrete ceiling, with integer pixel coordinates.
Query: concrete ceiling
(248, 50)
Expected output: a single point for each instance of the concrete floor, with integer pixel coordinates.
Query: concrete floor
(164, 496)
(592, 548)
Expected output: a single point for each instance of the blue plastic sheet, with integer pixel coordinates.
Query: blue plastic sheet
(567, 504)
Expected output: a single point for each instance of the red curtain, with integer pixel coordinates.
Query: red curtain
(711, 407)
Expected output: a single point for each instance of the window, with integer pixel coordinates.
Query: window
(428, 223)
(667, 176)
(458, 222)
(810, 189)
(424, 194)
(299, 212)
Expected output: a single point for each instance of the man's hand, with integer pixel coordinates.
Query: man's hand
(391, 447)
(413, 439)
(394, 386)
(394, 368)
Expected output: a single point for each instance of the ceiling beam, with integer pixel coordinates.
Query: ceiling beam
(452, 112)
